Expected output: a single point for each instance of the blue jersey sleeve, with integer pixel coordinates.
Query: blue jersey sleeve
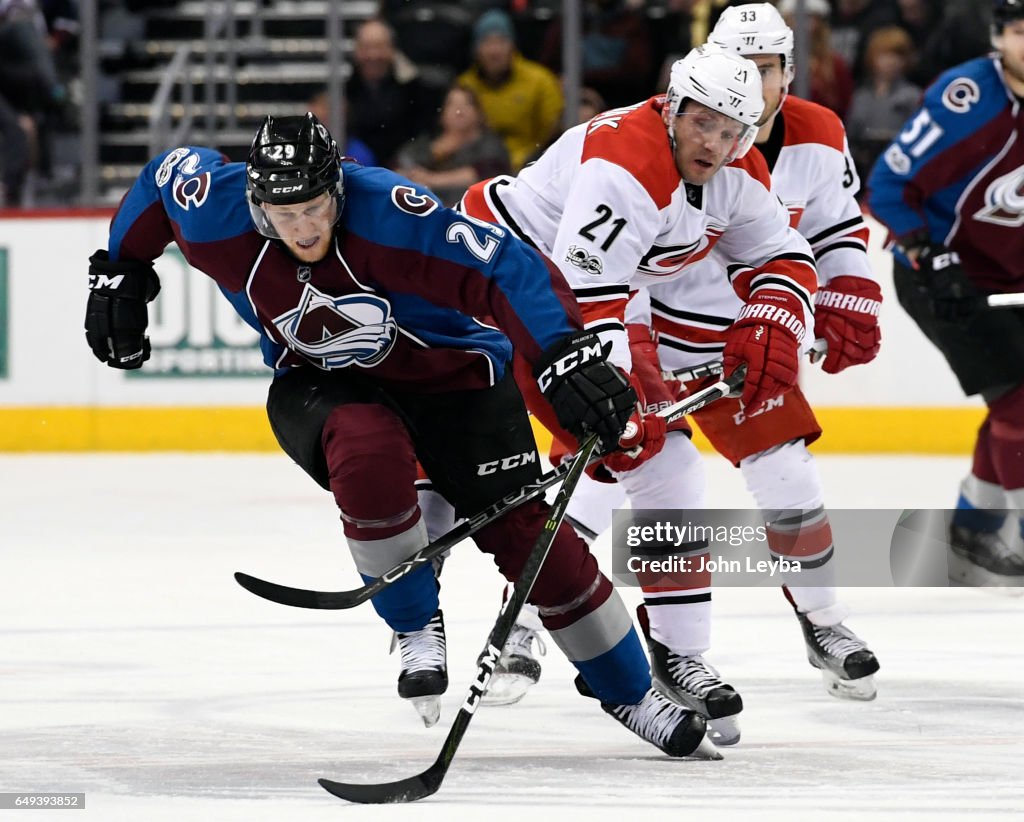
(917, 182)
(458, 262)
(189, 194)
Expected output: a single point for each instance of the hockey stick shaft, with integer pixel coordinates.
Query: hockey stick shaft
(427, 783)
(714, 368)
(1015, 300)
(337, 600)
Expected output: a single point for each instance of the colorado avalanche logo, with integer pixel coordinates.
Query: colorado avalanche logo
(356, 329)
(1004, 200)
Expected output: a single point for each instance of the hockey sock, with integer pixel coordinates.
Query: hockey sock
(804, 537)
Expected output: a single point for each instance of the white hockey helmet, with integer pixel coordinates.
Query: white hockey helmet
(722, 81)
(755, 28)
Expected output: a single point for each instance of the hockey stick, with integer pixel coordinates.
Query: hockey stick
(426, 783)
(713, 368)
(1015, 300)
(337, 600)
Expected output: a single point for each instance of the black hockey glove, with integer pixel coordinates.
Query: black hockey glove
(954, 299)
(587, 393)
(116, 315)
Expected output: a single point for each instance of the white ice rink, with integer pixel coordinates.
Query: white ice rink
(135, 670)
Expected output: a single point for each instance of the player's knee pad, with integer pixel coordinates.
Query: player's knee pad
(437, 513)
(783, 478)
(672, 478)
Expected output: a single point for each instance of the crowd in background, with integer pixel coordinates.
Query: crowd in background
(474, 90)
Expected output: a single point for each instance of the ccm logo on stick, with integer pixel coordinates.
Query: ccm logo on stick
(506, 463)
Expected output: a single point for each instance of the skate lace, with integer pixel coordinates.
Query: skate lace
(837, 640)
(654, 718)
(520, 642)
(424, 648)
(693, 674)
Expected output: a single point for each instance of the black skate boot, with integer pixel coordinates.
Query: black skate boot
(666, 724)
(517, 669)
(846, 663)
(692, 682)
(424, 675)
(982, 558)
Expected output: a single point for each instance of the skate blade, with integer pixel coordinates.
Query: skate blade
(506, 689)
(705, 751)
(860, 690)
(964, 572)
(428, 707)
(724, 730)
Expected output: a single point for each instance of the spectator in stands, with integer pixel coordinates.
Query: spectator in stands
(618, 51)
(17, 138)
(885, 100)
(852, 24)
(831, 79)
(962, 33)
(387, 103)
(463, 152)
(521, 99)
(591, 104)
(31, 90)
(354, 148)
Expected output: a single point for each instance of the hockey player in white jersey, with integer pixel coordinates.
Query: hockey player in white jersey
(812, 173)
(639, 196)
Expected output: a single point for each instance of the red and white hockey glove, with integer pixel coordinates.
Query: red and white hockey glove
(643, 437)
(766, 336)
(846, 317)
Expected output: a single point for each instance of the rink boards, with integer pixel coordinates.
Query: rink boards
(205, 386)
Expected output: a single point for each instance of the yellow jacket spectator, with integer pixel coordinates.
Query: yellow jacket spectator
(521, 99)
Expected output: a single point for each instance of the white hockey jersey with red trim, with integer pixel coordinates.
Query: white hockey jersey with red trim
(607, 205)
(814, 177)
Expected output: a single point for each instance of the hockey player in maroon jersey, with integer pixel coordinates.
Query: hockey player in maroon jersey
(365, 290)
(949, 189)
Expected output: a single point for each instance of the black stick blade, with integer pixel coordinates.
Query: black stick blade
(404, 790)
(300, 597)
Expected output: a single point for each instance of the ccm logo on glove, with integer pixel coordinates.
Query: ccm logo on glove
(570, 362)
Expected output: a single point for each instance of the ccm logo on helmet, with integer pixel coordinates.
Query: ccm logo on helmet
(287, 189)
(570, 362)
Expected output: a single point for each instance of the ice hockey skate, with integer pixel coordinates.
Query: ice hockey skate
(666, 724)
(983, 558)
(692, 682)
(424, 675)
(846, 663)
(517, 669)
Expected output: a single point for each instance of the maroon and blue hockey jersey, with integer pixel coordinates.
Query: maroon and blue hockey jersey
(398, 296)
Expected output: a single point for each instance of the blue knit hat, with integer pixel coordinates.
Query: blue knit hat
(491, 22)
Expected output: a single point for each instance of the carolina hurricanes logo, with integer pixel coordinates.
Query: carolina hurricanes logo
(339, 331)
(1004, 200)
(666, 260)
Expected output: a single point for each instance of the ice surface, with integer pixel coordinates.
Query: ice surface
(133, 668)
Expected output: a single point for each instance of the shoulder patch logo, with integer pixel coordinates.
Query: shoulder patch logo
(191, 191)
(582, 260)
(335, 332)
(960, 95)
(412, 202)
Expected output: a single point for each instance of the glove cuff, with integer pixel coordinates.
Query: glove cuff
(777, 308)
(130, 279)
